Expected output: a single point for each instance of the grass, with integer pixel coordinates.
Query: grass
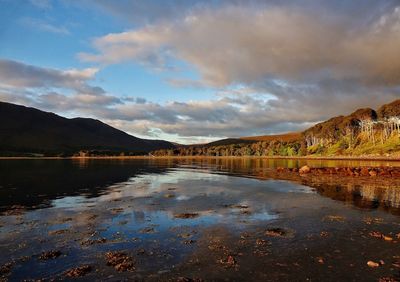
(361, 147)
(390, 146)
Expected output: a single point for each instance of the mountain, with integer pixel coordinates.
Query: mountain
(29, 130)
(364, 132)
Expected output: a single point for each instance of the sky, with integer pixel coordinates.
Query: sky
(192, 71)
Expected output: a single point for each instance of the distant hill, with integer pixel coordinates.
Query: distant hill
(229, 141)
(288, 137)
(29, 130)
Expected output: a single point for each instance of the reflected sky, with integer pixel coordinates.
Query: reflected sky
(169, 209)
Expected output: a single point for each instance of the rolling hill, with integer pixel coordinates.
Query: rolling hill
(25, 130)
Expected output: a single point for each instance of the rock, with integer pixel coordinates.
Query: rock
(387, 279)
(50, 255)
(58, 232)
(395, 174)
(387, 238)
(396, 263)
(90, 242)
(332, 170)
(241, 206)
(116, 210)
(337, 218)
(371, 220)
(78, 271)
(245, 212)
(373, 173)
(350, 171)
(185, 235)
(372, 264)
(93, 217)
(276, 232)
(230, 261)
(261, 242)
(6, 268)
(147, 230)
(375, 234)
(324, 234)
(189, 242)
(187, 279)
(364, 171)
(120, 261)
(305, 169)
(186, 215)
(15, 210)
(379, 235)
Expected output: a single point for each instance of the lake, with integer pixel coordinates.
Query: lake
(195, 220)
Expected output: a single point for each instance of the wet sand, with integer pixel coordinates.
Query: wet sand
(196, 220)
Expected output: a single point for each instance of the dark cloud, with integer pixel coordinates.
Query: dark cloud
(19, 74)
(52, 89)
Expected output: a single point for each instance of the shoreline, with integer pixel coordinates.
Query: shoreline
(326, 158)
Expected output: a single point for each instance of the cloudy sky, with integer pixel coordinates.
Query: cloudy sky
(193, 71)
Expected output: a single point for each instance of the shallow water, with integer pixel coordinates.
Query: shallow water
(210, 219)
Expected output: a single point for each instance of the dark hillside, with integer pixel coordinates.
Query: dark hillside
(29, 130)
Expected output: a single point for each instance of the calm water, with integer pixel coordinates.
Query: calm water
(210, 219)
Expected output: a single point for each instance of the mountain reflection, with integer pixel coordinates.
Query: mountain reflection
(37, 183)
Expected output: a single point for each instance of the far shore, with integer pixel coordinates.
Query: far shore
(347, 158)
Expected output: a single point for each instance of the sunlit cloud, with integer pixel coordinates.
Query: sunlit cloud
(287, 43)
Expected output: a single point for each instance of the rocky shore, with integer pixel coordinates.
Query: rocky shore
(345, 171)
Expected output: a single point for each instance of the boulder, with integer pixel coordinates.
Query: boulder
(364, 171)
(305, 169)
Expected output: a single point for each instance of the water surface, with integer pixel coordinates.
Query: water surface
(209, 219)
